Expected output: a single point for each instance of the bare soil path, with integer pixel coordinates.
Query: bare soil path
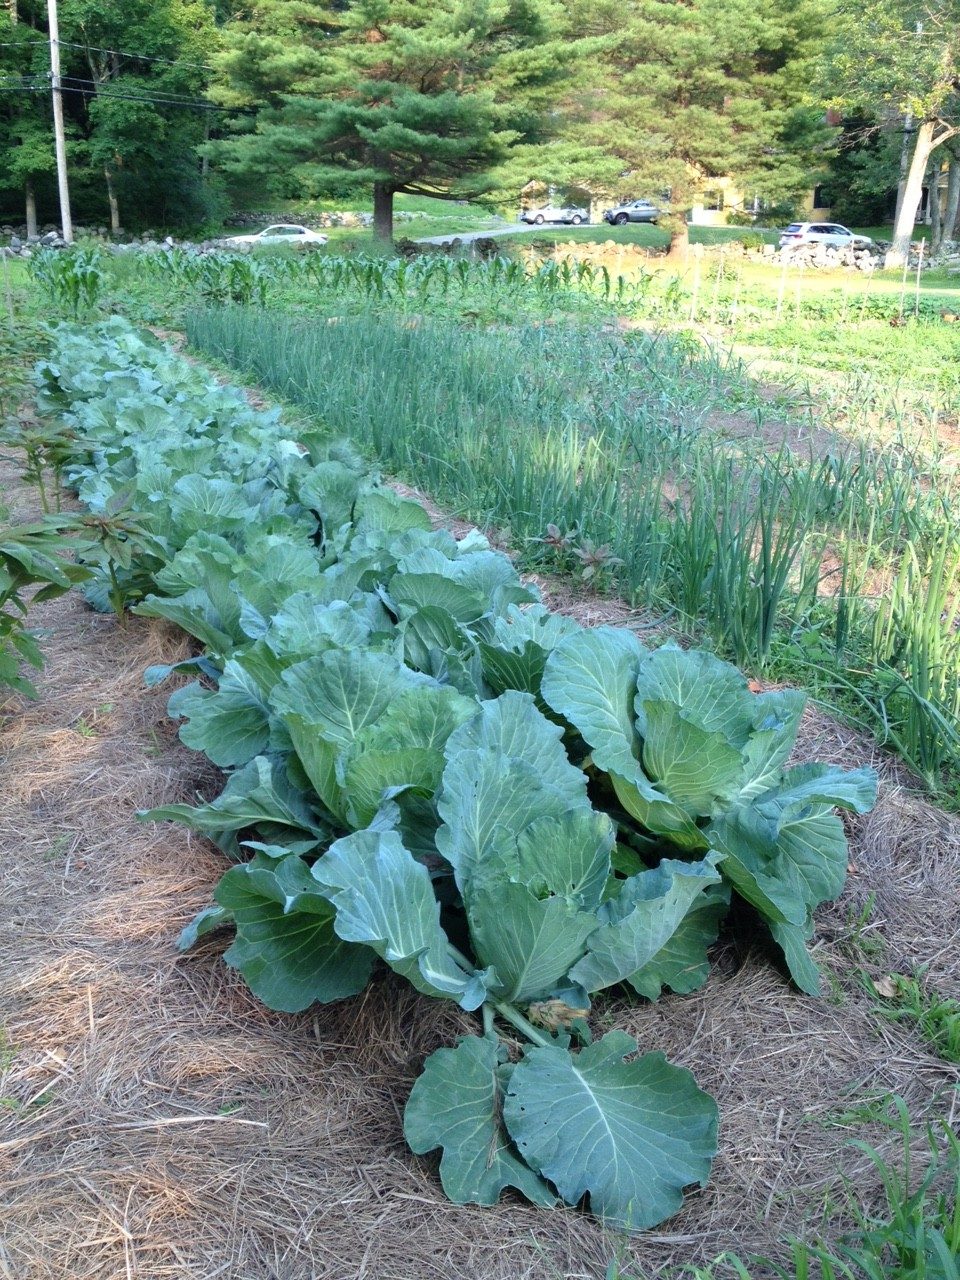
(156, 1121)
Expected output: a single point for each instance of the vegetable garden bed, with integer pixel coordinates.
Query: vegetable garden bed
(172, 1125)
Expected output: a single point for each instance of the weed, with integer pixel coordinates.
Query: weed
(903, 998)
(861, 939)
(916, 1236)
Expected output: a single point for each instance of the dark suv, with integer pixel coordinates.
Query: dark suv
(632, 211)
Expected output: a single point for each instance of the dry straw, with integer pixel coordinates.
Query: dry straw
(156, 1121)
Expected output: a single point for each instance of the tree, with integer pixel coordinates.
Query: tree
(900, 60)
(133, 73)
(26, 137)
(705, 89)
(418, 96)
(133, 64)
(864, 173)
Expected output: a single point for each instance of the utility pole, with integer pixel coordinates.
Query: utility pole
(66, 222)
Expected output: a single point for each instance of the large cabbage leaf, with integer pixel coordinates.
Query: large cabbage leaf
(286, 946)
(631, 1135)
(456, 1104)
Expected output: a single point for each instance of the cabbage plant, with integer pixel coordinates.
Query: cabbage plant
(427, 769)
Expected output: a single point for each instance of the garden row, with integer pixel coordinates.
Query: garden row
(595, 448)
(426, 766)
(522, 283)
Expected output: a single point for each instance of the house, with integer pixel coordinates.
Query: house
(723, 197)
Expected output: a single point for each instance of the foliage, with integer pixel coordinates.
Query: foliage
(511, 811)
(31, 555)
(688, 92)
(134, 76)
(415, 97)
(900, 60)
(72, 279)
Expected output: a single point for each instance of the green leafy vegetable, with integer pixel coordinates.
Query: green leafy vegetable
(425, 766)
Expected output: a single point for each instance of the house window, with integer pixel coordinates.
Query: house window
(713, 200)
(821, 199)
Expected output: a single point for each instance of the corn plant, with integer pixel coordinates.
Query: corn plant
(72, 279)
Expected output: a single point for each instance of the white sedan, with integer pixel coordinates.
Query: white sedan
(282, 233)
(555, 213)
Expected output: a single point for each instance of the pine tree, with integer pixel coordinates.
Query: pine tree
(708, 88)
(418, 96)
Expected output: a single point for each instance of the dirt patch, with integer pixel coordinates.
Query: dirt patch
(156, 1121)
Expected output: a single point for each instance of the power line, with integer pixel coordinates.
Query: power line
(99, 49)
(155, 95)
(27, 85)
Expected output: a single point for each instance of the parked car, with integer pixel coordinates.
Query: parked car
(555, 213)
(632, 211)
(828, 233)
(282, 233)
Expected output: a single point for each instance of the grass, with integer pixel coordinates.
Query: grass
(648, 236)
(915, 1236)
(909, 999)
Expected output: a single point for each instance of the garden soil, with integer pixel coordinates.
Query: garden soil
(157, 1121)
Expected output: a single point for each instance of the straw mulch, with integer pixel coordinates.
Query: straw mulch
(156, 1121)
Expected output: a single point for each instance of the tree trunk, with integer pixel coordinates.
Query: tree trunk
(679, 237)
(113, 202)
(896, 255)
(933, 204)
(904, 163)
(953, 199)
(383, 210)
(30, 199)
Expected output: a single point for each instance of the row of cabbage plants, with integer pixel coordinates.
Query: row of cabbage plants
(426, 766)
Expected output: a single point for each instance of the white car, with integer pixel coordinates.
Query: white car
(555, 213)
(282, 233)
(831, 234)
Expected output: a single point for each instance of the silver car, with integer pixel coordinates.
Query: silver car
(831, 234)
(555, 213)
(632, 211)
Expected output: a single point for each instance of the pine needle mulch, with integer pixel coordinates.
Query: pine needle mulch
(156, 1121)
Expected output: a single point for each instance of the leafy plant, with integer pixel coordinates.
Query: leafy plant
(426, 767)
(44, 446)
(31, 555)
(72, 279)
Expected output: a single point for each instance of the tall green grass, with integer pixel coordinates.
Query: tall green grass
(608, 435)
